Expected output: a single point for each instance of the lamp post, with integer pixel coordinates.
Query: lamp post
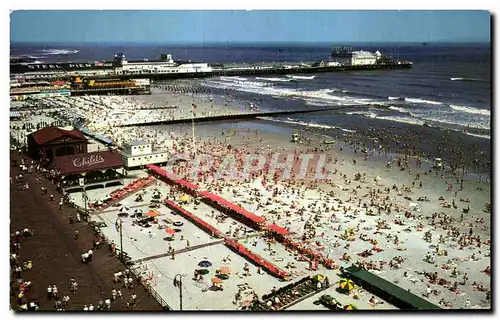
(84, 196)
(121, 239)
(178, 283)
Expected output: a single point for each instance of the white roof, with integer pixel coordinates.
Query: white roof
(363, 54)
(139, 143)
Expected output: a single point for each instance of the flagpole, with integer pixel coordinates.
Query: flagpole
(192, 126)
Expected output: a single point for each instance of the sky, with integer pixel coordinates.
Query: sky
(248, 26)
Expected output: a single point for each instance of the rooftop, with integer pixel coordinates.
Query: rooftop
(85, 162)
(139, 143)
(51, 133)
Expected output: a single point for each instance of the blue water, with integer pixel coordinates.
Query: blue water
(448, 87)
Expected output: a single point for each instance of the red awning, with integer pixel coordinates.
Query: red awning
(280, 230)
(191, 217)
(274, 270)
(187, 184)
(232, 206)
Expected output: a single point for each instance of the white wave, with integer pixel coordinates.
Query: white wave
(395, 98)
(302, 77)
(273, 79)
(409, 120)
(368, 114)
(464, 79)
(307, 124)
(415, 100)
(478, 135)
(472, 122)
(264, 89)
(470, 110)
(318, 102)
(233, 79)
(59, 51)
(403, 110)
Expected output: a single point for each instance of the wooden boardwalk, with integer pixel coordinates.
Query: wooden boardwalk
(56, 255)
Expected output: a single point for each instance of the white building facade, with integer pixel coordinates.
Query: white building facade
(363, 58)
(140, 153)
(158, 67)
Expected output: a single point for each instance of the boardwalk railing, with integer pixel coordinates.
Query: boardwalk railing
(137, 273)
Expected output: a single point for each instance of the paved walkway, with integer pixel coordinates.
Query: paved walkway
(163, 255)
(56, 255)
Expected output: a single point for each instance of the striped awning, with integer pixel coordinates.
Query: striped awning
(15, 114)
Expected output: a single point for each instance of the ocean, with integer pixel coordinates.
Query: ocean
(448, 88)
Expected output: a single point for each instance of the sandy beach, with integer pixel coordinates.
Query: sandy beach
(393, 214)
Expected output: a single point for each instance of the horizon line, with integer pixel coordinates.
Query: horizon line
(247, 42)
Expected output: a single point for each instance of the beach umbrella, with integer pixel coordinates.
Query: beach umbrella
(205, 264)
(319, 277)
(203, 271)
(184, 198)
(124, 209)
(378, 178)
(350, 307)
(170, 231)
(225, 270)
(152, 213)
(346, 284)
(138, 210)
(223, 276)
(216, 280)
(98, 202)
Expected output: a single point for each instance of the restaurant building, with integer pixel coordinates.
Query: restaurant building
(89, 170)
(50, 142)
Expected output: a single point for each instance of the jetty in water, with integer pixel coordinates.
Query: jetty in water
(235, 116)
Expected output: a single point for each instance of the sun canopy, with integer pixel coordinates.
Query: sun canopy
(279, 230)
(232, 206)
